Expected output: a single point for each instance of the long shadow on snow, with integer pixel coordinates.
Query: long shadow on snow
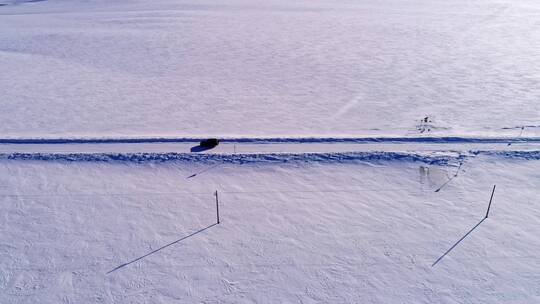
(202, 171)
(160, 248)
(450, 178)
(457, 243)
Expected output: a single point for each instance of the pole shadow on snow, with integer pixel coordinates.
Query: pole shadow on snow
(446, 183)
(161, 248)
(450, 178)
(457, 243)
(202, 171)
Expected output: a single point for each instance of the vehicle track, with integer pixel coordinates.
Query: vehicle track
(268, 145)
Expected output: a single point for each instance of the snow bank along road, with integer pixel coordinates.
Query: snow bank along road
(432, 150)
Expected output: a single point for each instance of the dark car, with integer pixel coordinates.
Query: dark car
(209, 143)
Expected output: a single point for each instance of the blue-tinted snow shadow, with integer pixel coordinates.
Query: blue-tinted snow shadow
(160, 248)
(199, 148)
(450, 178)
(457, 243)
(202, 171)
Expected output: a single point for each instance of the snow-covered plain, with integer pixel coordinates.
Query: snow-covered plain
(269, 68)
(102, 200)
(291, 232)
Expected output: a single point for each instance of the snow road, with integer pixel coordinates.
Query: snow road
(261, 145)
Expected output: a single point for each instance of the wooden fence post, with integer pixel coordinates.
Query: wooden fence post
(217, 207)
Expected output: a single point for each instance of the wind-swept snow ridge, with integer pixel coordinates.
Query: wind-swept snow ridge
(439, 158)
(525, 155)
(344, 157)
(424, 139)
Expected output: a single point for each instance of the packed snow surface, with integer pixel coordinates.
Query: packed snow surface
(269, 68)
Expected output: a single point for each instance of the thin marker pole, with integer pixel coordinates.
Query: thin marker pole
(217, 207)
(491, 199)
(521, 132)
(457, 171)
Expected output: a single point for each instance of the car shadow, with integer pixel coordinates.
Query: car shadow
(199, 148)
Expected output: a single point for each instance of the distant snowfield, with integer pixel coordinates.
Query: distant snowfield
(360, 232)
(269, 68)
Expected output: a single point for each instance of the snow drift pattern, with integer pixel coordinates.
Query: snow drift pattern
(440, 159)
(526, 155)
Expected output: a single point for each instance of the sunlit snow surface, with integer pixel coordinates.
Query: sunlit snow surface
(290, 233)
(108, 221)
(269, 68)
